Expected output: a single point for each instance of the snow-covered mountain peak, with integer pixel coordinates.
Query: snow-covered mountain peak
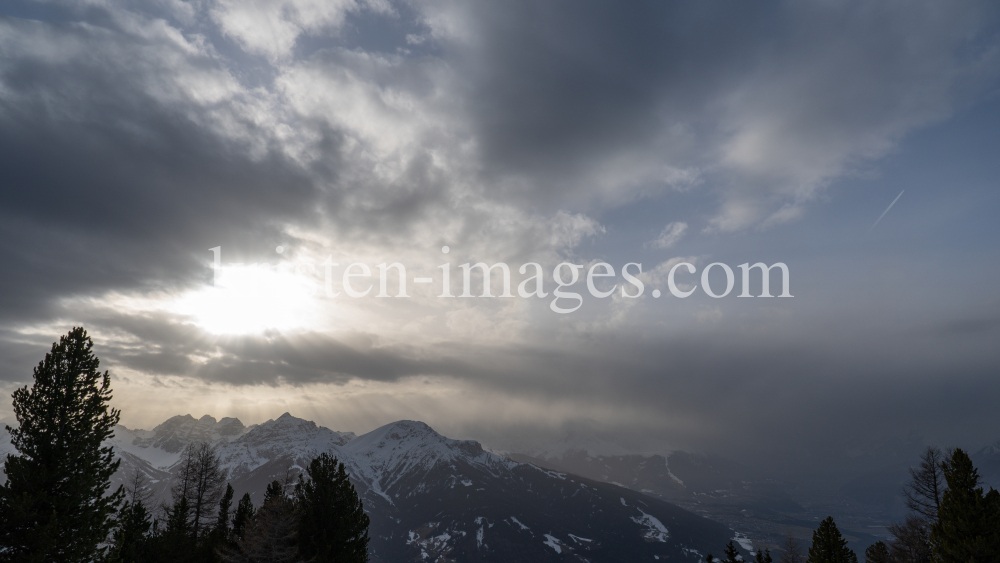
(385, 455)
(285, 440)
(401, 431)
(287, 430)
(177, 432)
(230, 427)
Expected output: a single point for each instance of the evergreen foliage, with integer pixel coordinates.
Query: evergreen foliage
(333, 527)
(243, 517)
(732, 556)
(763, 557)
(829, 546)
(130, 539)
(53, 507)
(270, 535)
(878, 552)
(273, 491)
(176, 542)
(222, 524)
(968, 526)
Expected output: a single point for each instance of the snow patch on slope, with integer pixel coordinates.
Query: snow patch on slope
(655, 530)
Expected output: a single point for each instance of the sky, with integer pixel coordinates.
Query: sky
(138, 136)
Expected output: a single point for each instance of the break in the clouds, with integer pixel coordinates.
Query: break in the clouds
(138, 135)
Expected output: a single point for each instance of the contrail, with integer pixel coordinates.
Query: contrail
(886, 210)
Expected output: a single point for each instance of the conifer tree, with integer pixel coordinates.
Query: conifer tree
(829, 546)
(271, 534)
(878, 552)
(274, 490)
(54, 506)
(176, 543)
(333, 526)
(732, 556)
(763, 557)
(222, 525)
(244, 516)
(130, 538)
(218, 537)
(968, 526)
(128, 544)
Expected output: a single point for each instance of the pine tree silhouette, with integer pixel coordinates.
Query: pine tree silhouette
(968, 526)
(829, 546)
(333, 527)
(54, 506)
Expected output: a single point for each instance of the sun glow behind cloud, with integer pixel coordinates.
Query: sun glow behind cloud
(251, 299)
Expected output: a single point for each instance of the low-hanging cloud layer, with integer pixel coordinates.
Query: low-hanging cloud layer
(136, 136)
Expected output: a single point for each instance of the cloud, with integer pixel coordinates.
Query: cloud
(670, 235)
(271, 27)
(136, 137)
(765, 105)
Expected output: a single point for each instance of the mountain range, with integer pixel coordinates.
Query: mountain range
(579, 498)
(434, 499)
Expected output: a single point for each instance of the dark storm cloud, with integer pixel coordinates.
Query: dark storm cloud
(557, 83)
(166, 344)
(108, 183)
(315, 358)
(763, 102)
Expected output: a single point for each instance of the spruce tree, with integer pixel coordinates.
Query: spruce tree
(176, 543)
(54, 506)
(333, 526)
(732, 556)
(218, 537)
(271, 535)
(274, 490)
(829, 546)
(244, 516)
(878, 552)
(968, 526)
(130, 538)
(763, 557)
(222, 526)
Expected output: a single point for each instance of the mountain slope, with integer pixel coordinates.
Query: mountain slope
(431, 498)
(448, 500)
